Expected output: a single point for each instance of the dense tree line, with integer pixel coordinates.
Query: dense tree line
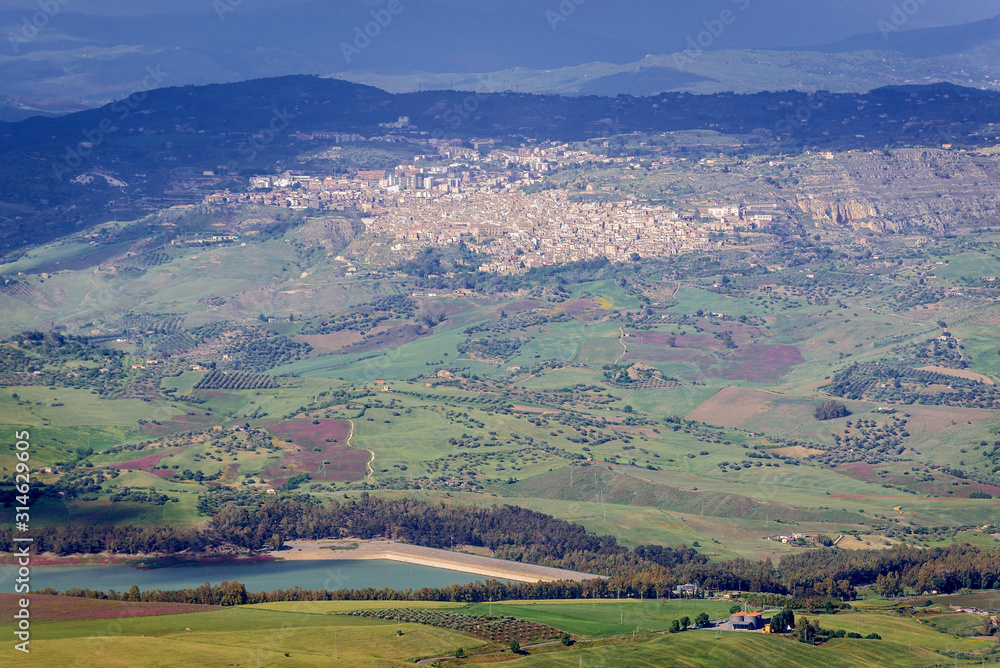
(945, 569)
(250, 521)
(665, 556)
(125, 539)
(512, 532)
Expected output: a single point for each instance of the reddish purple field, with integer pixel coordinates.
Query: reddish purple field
(859, 471)
(216, 394)
(760, 363)
(756, 362)
(304, 432)
(685, 341)
(146, 463)
(51, 608)
(345, 463)
(522, 305)
(583, 309)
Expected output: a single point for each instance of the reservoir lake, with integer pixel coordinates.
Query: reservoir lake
(262, 576)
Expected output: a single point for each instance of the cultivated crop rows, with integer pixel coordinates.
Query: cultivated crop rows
(499, 630)
(235, 380)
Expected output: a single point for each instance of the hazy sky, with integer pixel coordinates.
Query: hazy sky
(196, 43)
(769, 23)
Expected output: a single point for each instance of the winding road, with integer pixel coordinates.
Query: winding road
(370, 469)
(621, 340)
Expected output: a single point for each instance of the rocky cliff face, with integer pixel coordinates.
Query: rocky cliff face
(848, 212)
(905, 190)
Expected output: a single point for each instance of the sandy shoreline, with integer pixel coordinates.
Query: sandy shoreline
(302, 550)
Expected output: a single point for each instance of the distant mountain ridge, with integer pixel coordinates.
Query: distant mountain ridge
(919, 43)
(84, 60)
(64, 174)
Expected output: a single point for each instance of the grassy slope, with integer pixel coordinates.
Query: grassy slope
(302, 634)
(232, 635)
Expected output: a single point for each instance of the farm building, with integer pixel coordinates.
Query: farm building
(747, 621)
(685, 590)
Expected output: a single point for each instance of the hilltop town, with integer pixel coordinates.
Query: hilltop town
(498, 205)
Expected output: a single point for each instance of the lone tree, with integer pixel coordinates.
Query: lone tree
(829, 410)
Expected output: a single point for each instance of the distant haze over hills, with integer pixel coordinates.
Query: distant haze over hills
(90, 52)
(66, 172)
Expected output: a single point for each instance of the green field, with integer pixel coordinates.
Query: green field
(969, 265)
(606, 617)
(693, 430)
(312, 634)
(78, 408)
(702, 650)
(233, 635)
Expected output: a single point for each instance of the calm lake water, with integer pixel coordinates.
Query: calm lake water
(267, 576)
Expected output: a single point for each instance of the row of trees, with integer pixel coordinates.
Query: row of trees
(235, 380)
(249, 521)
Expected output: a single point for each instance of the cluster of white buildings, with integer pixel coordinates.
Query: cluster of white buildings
(482, 201)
